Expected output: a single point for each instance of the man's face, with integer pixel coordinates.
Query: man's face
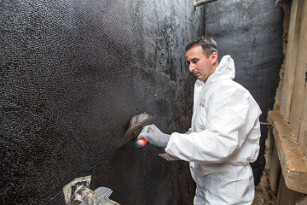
(201, 66)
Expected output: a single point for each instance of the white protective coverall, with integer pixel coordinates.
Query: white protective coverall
(224, 139)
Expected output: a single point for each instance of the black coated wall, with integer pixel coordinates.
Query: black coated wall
(73, 73)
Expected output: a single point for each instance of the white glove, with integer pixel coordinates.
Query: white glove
(154, 136)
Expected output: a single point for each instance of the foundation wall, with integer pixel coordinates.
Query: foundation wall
(73, 74)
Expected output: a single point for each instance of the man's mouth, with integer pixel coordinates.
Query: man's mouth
(196, 74)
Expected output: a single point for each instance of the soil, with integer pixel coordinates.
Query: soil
(263, 193)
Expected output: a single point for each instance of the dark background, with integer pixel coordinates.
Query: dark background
(73, 74)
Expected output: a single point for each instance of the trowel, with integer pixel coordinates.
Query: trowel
(135, 126)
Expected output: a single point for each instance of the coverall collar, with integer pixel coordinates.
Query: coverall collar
(225, 70)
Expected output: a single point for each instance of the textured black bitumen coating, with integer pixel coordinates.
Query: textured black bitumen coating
(73, 73)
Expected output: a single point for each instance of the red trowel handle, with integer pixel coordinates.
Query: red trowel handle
(140, 143)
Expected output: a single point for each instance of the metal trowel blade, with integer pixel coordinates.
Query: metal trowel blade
(133, 131)
(104, 191)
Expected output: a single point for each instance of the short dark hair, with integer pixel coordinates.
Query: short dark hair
(208, 44)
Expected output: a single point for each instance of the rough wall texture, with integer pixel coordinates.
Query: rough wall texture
(73, 73)
(251, 32)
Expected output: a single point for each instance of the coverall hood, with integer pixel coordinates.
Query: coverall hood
(225, 70)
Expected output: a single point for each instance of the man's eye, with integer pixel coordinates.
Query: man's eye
(188, 62)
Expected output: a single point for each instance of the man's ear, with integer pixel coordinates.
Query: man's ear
(214, 57)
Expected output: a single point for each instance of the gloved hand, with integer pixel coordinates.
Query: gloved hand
(154, 136)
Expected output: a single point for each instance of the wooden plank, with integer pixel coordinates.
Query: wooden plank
(293, 162)
(299, 83)
(286, 196)
(274, 171)
(302, 138)
(290, 62)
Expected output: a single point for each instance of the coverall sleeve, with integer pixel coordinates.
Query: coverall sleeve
(225, 131)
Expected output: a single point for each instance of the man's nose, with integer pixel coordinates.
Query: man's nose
(191, 67)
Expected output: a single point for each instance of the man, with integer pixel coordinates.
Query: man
(224, 134)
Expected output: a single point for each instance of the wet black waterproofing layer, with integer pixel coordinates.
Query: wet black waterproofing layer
(73, 73)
